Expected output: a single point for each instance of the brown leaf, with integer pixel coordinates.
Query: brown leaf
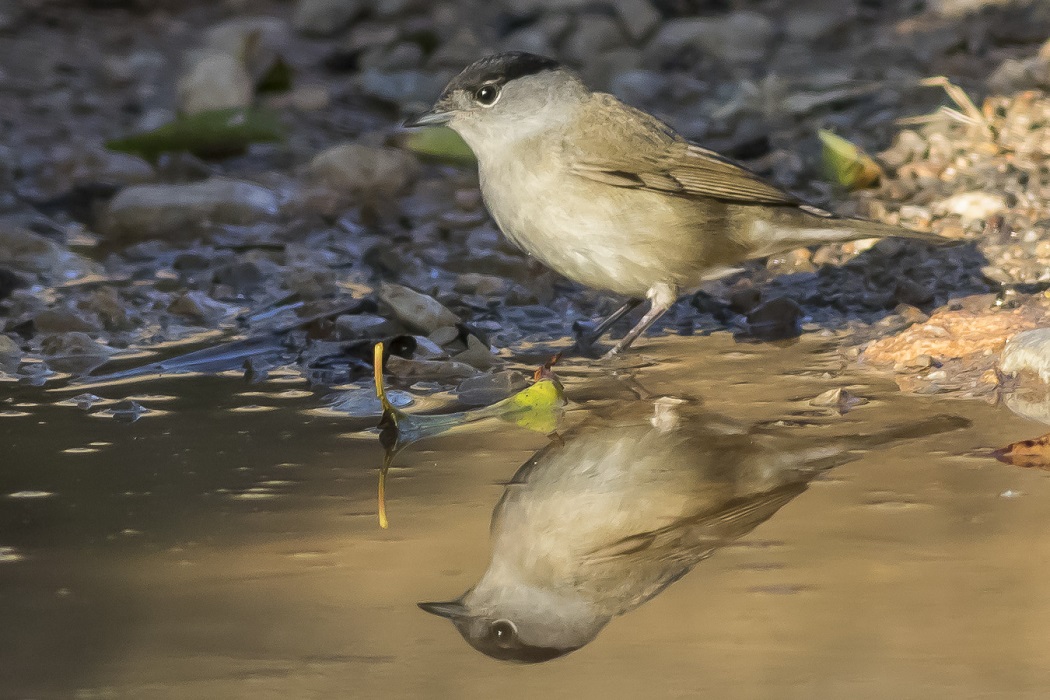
(1029, 454)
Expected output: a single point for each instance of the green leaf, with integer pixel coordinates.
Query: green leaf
(216, 133)
(846, 164)
(278, 78)
(440, 143)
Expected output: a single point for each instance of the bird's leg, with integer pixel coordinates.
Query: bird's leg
(585, 337)
(661, 297)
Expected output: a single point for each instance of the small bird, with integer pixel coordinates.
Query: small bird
(600, 522)
(613, 198)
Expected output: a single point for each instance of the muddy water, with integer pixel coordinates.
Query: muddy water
(739, 543)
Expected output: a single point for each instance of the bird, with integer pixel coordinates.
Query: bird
(610, 196)
(610, 514)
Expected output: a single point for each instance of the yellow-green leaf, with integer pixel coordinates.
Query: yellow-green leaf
(439, 143)
(846, 164)
(215, 133)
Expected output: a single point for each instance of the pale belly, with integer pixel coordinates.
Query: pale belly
(611, 242)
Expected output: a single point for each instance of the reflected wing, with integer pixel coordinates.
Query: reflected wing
(624, 147)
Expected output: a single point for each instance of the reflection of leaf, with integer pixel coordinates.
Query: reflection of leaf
(1027, 453)
(846, 164)
(536, 407)
(216, 133)
(440, 143)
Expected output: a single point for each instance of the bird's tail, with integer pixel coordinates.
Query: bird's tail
(789, 228)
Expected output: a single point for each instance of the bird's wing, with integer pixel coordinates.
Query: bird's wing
(621, 146)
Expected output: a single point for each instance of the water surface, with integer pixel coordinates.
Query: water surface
(735, 542)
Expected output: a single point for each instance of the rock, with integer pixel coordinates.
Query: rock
(10, 354)
(366, 172)
(950, 334)
(354, 326)
(256, 41)
(325, 17)
(75, 353)
(62, 320)
(486, 389)
(529, 39)
(405, 87)
(1029, 350)
(461, 49)
(638, 87)
(305, 98)
(9, 282)
(417, 311)
(199, 307)
(186, 211)
(90, 164)
(477, 354)
(594, 35)
(25, 251)
(483, 285)
(807, 24)
(638, 17)
(775, 319)
(429, 370)
(404, 55)
(216, 81)
(839, 399)
(247, 275)
(972, 207)
(739, 37)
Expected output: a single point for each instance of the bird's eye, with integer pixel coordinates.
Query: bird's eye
(487, 95)
(503, 633)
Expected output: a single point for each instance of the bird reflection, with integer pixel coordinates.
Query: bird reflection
(606, 517)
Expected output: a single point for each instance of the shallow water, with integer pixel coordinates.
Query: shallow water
(226, 544)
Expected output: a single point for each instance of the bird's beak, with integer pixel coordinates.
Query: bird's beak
(433, 117)
(452, 610)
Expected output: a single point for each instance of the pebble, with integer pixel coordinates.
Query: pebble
(198, 306)
(25, 251)
(181, 212)
(354, 326)
(325, 17)
(365, 171)
(10, 354)
(216, 81)
(739, 37)
(429, 370)
(417, 311)
(486, 389)
(74, 352)
(62, 320)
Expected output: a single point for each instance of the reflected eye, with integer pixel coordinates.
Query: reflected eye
(503, 633)
(487, 95)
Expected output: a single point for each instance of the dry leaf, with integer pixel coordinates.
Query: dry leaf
(1030, 454)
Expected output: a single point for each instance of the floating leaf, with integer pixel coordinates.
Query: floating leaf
(1027, 453)
(846, 164)
(217, 133)
(440, 143)
(536, 407)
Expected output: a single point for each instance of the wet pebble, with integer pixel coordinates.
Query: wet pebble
(10, 354)
(486, 389)
(181, 212)
(417, 311)
(354, 326)
(365, 171)
(74, 352)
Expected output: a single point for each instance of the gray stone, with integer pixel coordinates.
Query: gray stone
(484, 285)
(10, 354)
(256, 41)
(594, 35)
(199, 307)
(216, 81)
(429, 370)
(477, 354)
(186, 211)
(417, 311)
(402, 87)
(740, 37)
(325, 17)
(353, 326)
(21, 249)
(63, 320)
(638, 17)
(638, 87)
(75, 353)
(367, 171)
(401, 56)
(487, 389)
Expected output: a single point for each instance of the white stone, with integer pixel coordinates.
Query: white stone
(217, 81)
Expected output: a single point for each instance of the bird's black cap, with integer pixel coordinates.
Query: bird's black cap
(500, 69)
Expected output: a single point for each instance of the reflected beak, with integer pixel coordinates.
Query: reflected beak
(432, 117)
(452, 610)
